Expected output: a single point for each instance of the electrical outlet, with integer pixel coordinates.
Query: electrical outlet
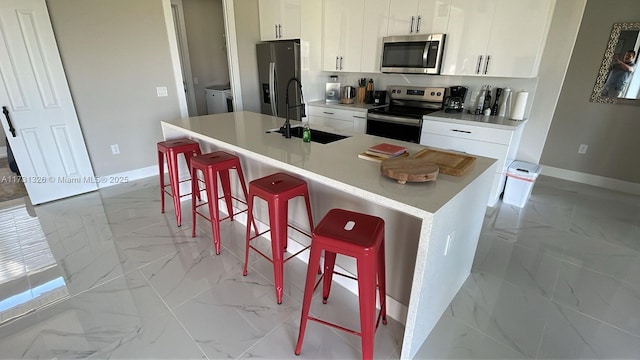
(115, 149)
(449, 240)
(162, 91)
(583, 149)
(195, 80)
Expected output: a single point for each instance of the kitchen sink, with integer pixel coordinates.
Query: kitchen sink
(318, 136)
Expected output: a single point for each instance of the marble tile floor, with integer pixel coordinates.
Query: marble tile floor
(105, 275)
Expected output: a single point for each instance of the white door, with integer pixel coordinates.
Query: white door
(48, 144)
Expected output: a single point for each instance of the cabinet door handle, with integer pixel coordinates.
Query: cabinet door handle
(413, 18)
(276, 30)
(6, 115)
(462, 131)
(337, 59)
(418, 24)
(479, 62)
(280, 31)
(340, 62)
(486, 65)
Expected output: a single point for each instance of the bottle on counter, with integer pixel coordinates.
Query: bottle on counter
(306, 131)
(504, 109)
(494, 108)
(480, 104)
(487, 99)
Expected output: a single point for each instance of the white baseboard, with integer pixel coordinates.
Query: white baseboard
(595, 180)
(3, 151)
(132, 175)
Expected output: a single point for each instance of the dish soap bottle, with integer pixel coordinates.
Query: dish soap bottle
(306, 131)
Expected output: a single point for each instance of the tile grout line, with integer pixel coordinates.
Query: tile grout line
(174, 315)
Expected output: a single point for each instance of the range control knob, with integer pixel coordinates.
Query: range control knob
(433, 93)
(438, 93)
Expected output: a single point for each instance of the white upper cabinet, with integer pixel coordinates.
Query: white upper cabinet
(279, 19)
(501, 38)
(376, 19)
(343, 23)
(517, 42)
(410, 17)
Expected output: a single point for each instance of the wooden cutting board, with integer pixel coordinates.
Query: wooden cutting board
(450, 163)
(408, 169)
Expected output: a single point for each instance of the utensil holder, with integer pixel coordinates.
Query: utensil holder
(360, 95)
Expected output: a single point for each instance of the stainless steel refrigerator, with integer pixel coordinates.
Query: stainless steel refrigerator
(278, 62)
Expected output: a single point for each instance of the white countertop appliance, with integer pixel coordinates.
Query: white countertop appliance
(402, 118)
(217, 100)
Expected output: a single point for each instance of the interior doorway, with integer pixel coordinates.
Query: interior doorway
(183, 50)
(202, 44)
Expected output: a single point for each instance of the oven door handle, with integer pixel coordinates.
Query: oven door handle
(394, 119)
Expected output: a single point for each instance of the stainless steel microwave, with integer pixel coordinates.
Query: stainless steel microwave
(412, 54)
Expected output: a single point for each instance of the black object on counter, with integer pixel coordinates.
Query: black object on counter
(368, 97)
(494, 108)
(487, 99)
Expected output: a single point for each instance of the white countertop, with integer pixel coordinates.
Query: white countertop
(497, 122)
(335, 164)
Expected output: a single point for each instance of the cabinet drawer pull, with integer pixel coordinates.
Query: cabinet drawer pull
(328, 113)
(462, 131)
(359, 117)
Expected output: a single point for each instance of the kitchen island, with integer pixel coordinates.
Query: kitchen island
(431, 229)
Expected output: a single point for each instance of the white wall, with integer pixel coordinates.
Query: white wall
(553, 68)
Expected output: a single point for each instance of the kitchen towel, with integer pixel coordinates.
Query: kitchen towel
(517, 113)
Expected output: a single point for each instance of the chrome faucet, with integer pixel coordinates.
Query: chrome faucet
(286, 128)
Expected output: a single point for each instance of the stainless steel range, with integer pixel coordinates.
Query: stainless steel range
(402, 118)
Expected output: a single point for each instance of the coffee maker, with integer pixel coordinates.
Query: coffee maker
(454, 103)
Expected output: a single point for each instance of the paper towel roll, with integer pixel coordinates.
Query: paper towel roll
(520, 103)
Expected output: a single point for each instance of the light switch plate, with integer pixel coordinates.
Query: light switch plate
(162, 91)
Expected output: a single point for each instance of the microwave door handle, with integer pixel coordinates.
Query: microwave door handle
(425, 54)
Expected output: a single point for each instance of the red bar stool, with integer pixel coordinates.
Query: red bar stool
(362, 237)
(211, 165)
(277, 189)
(171, 149)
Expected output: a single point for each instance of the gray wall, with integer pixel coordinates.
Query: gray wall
(204, 23)
(610, 130)
(115, 53)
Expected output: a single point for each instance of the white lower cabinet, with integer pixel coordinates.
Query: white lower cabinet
(500, 144)
(338, 119)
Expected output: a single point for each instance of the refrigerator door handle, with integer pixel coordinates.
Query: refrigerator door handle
(272, 88)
